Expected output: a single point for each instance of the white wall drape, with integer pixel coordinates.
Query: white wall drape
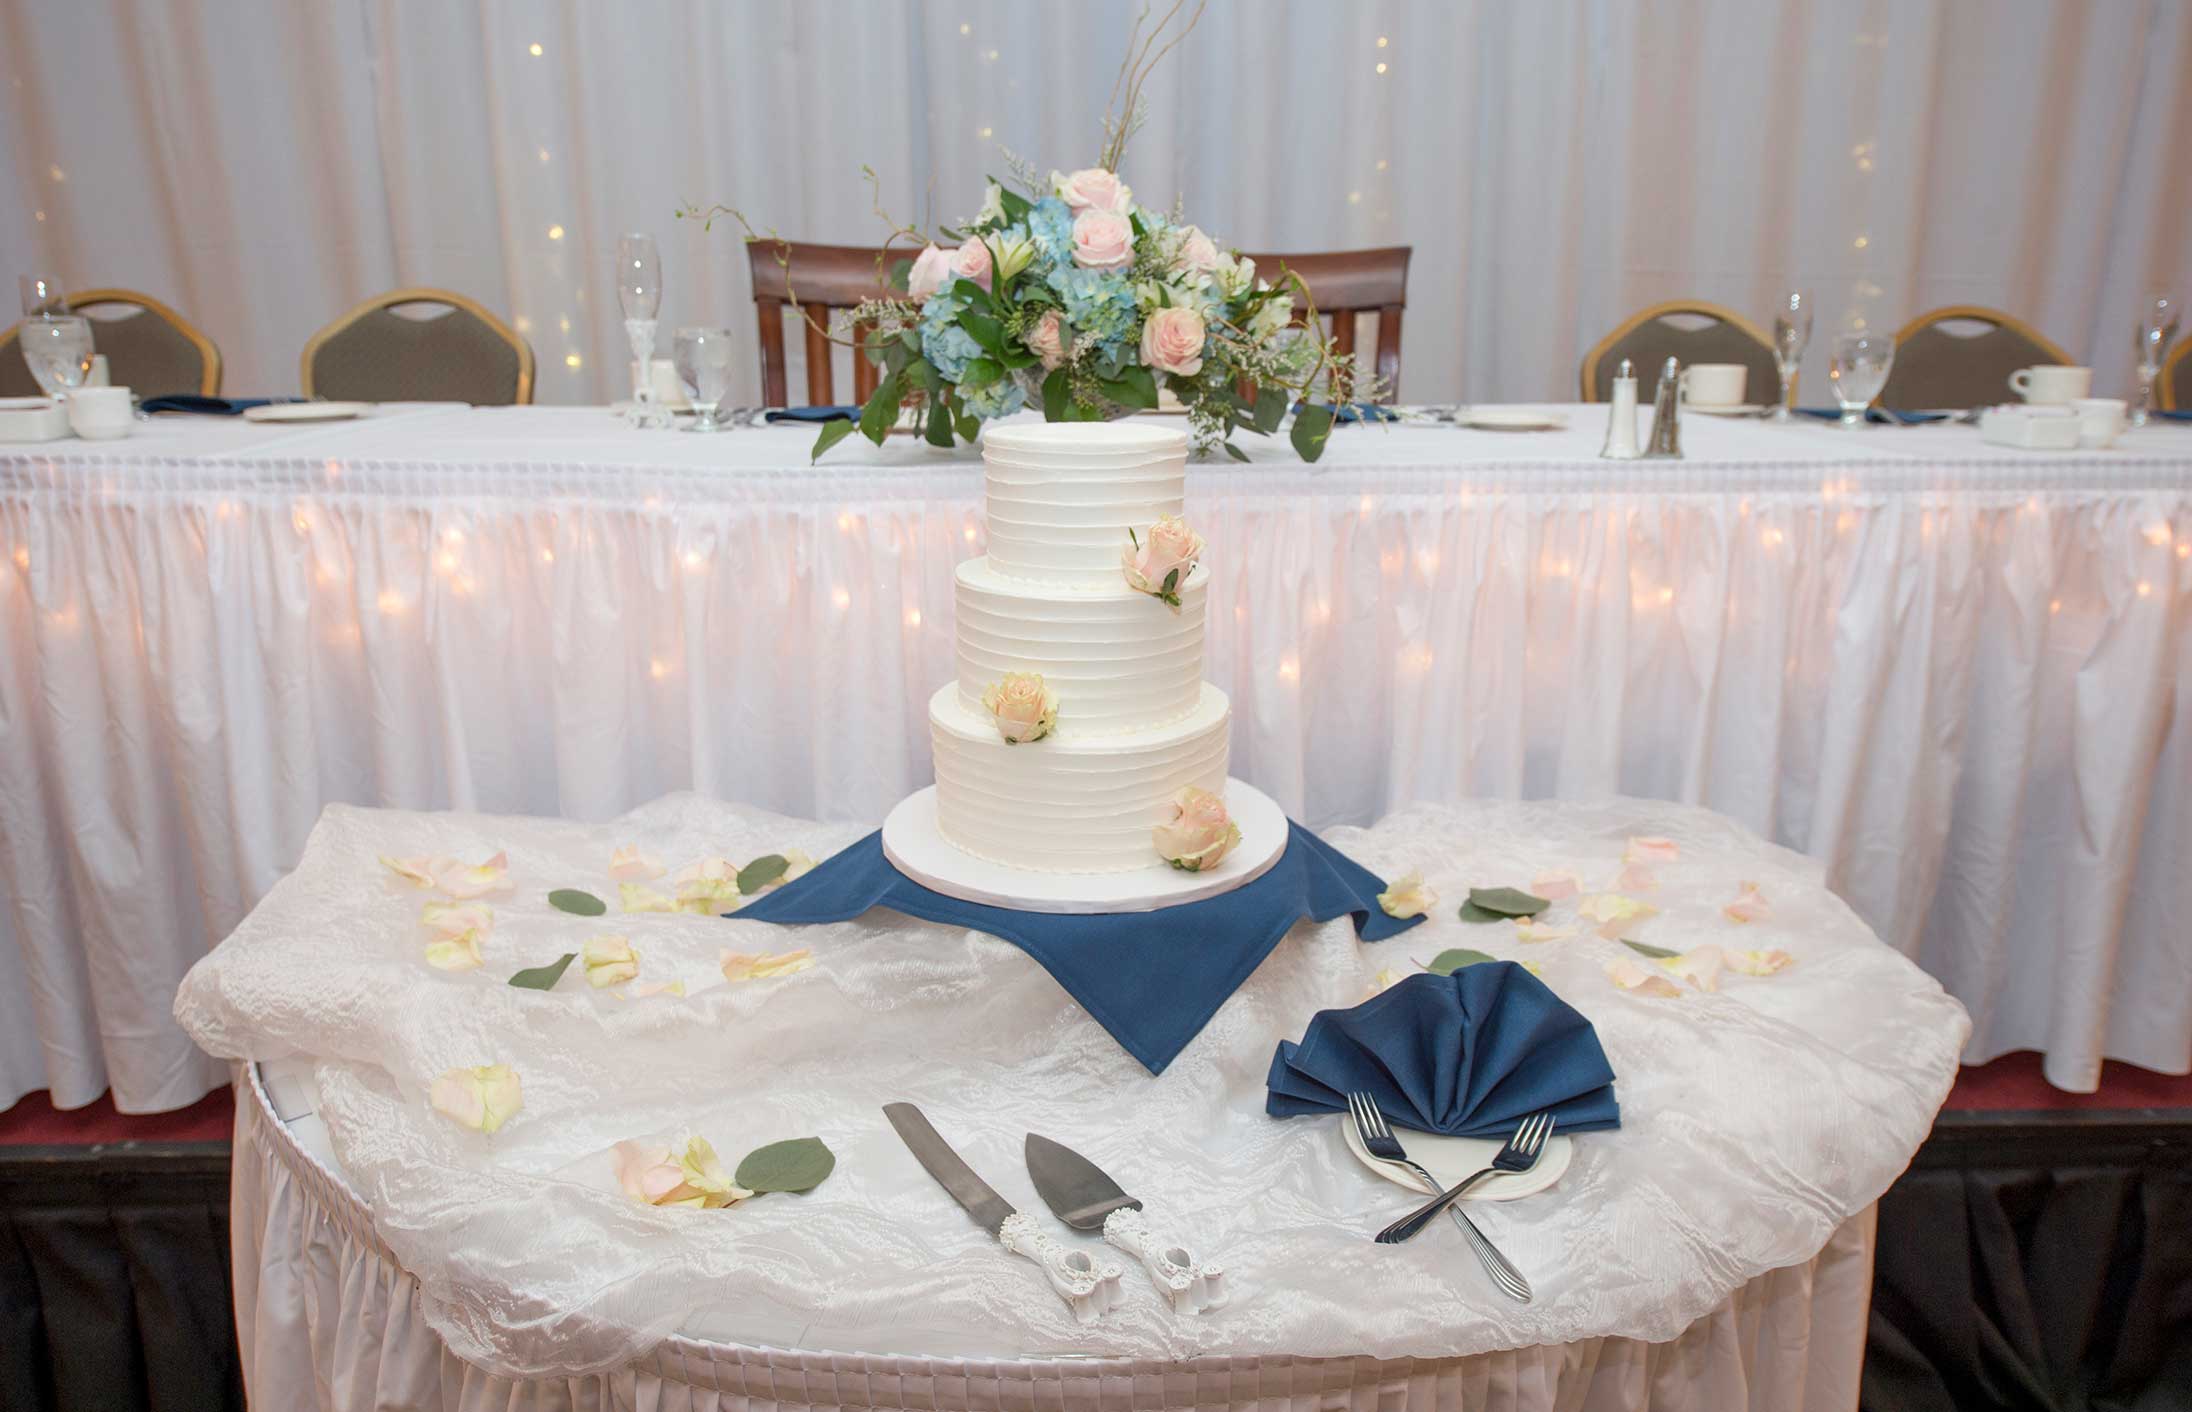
(1556, 165)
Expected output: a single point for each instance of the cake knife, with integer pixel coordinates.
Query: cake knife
(1079, 1193)
(1088, 1287)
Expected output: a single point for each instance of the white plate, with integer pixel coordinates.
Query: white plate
(1509, 419)
(1739, 409)
(1452, 1158)
(306, 411)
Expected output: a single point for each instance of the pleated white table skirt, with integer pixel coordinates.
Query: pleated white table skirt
(328, 1320)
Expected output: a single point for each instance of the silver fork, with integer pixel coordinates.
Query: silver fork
(1519, 1155)
(1378, 1140)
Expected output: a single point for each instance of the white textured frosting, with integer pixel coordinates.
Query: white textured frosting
(1061, 497)
(1061, 805)
(1118, 659)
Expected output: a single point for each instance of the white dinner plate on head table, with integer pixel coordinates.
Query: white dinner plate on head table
(1450, 1159)
(1733, 409)
(1509, 419)
(306, 411)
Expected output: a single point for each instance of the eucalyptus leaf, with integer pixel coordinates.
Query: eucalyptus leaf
(798, 1164)
(1234, 451)
(881, 411)
(1470, 912)
(577, 903)
(1057, 396)
(1657, 953)
(544, 977)
(1312, 428)
(830, 435)
(761, 872)
(939, 427)
(901, 273)
(1448, 962)
(1507, 901)
(1270, 409)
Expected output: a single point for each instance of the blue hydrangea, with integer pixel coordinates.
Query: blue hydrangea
(999, 399)
(948, 347)
(1052, 226)
(1098, 303)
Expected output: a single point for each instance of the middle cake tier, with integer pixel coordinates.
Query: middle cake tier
(1119, 660)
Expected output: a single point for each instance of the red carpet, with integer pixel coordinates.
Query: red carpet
(2013, 1083)
(36, 1122)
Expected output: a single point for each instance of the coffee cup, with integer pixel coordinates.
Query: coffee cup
(2051, 384)
(1714, 384)
(2100, 420)
(100, 413)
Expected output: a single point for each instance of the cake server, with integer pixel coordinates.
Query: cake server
(1079, 1193)
(1088, 1287)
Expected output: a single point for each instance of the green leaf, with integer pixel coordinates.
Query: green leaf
(1172, 581)
(1470, 912)
(544, 977)
(577, 903)
(1144, 384)
(901, 273)
(1013, 203)
(1234, 451)
(1057, 396)
(799, 1164)
(761, 872)
(831, 434)
(968, 427)
(939, 428)
(881, 411)
(981, 372)
(1270, 409)
(1448, 962)
(1012, 355)
(1657, 953)
(986, 330)
(971, 292)
(1312, 428)
(1507, 901)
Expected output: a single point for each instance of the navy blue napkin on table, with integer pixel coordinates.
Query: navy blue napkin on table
(1358, 412)
(1467, 1055)
(203, 406)
(813, 414)
(2180, 415)
(1879, 416)
(1153, 979)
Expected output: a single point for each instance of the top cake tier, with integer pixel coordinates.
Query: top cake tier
(1061, 496)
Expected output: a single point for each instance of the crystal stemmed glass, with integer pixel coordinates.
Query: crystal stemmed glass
(41, 295)
(1860, 370)
(1791, 333)
(2157, 327)
(704, 365)
(639, 294)
(57, 349)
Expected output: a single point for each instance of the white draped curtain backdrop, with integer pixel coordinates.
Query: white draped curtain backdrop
(263, 165)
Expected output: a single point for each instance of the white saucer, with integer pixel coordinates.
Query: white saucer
(306, 411)
(1733, 409)
(1509, 419)
(914, 845)
(1452, 1158)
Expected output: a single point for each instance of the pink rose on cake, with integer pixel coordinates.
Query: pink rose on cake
(1093, 189)
(1196, 833)
(1102, 240)
(1159, 561)
(1172, 341)
(1025, 708)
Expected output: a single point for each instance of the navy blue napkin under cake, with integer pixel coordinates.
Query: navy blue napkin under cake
(1153, 979)
(812, 414)
(1879, 416)
(1468, 1055)
(196, 405)
(2182, 414)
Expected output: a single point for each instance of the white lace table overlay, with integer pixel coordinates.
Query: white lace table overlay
(1758, 1119)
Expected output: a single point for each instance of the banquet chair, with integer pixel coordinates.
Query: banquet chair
(825, 278)
(2173, 389)
(1691, 330)
(1347, 283)
(149, 347)
(462, 354)
(1961, 356)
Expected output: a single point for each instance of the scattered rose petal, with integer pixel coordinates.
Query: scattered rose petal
(742, 966)
(1385, 980)
(1700, 966)
(481, 1099)
(638, 897)
(460, 954)
(653, 988)
(454, 931)
(1531, 929)
(1616, 915)
(706, 887)
(1760, 963)
(665, 1175)
(449, 876)
(1636, 877)
(628, 864)
(1534, 969)
(799, 865)
(1630, 976)
(1554, 887)
(1749, 904)
(1651, 850)
(1407, 897)
(610, 960)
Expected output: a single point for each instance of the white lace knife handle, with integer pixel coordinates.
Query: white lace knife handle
(1194, 1286)
(1089, 1286)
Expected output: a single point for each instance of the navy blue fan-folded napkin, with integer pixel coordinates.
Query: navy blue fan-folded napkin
(1467, 1055)
(196, 405)
(1879, 416)
(812, 414)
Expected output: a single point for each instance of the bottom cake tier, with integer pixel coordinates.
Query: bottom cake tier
(1060, 805)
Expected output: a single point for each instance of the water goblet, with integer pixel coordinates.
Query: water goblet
(1860, 369)
(1791, 334)
(57, 349)
(42, 295)
(704, 365)
(2157, 328)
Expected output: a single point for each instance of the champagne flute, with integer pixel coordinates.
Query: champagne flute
(57, 350)
(1791, 334)
(704, 365)
(1860, 369)
(639, 294)
(2157, 328)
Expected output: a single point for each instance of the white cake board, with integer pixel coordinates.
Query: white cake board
(918, 849)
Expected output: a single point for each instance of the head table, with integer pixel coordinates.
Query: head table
(1713, 1251)
(1957, 675)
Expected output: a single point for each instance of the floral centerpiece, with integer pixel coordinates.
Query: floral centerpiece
(1068, 295)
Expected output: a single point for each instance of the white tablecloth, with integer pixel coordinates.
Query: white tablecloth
(1957, 675)
(1757, 1120)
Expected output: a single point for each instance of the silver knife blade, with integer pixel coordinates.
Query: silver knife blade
(988, 1209)
(1075, 1188)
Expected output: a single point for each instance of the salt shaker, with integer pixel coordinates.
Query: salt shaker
(1665, 442)
(1621, 418)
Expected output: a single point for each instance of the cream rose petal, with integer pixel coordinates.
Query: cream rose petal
(609, 960)
(1700, 966)
(744, 966)
(1760, 963)
(1555, 887)
(1636, 877)
(1384, 981)
(1617, 916)
(638, 897)
(1630, 976)
(481, 1098)
(1530, 929)
(1407, 897)
(476, 880)
(460, 954)
(651, 989)
(1749, 904)
(628, 864)
(1644, 849)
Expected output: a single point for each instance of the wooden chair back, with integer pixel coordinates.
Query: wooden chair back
(1345, 283)
(373, 354)
(825, 278)
(1650, 336)
(1937, 368)
(153, 350)
(2173, 389)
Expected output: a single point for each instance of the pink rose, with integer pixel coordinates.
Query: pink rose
(1102, 240)
(1196, 832)
(1025, 708)
(931, 268)
(1151, 559)
(972, 261)
(1172, 341)
(1047, 340)
(1093, 189)
(1196, 253)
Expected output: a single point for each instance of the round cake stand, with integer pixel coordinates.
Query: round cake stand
(918, 849)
